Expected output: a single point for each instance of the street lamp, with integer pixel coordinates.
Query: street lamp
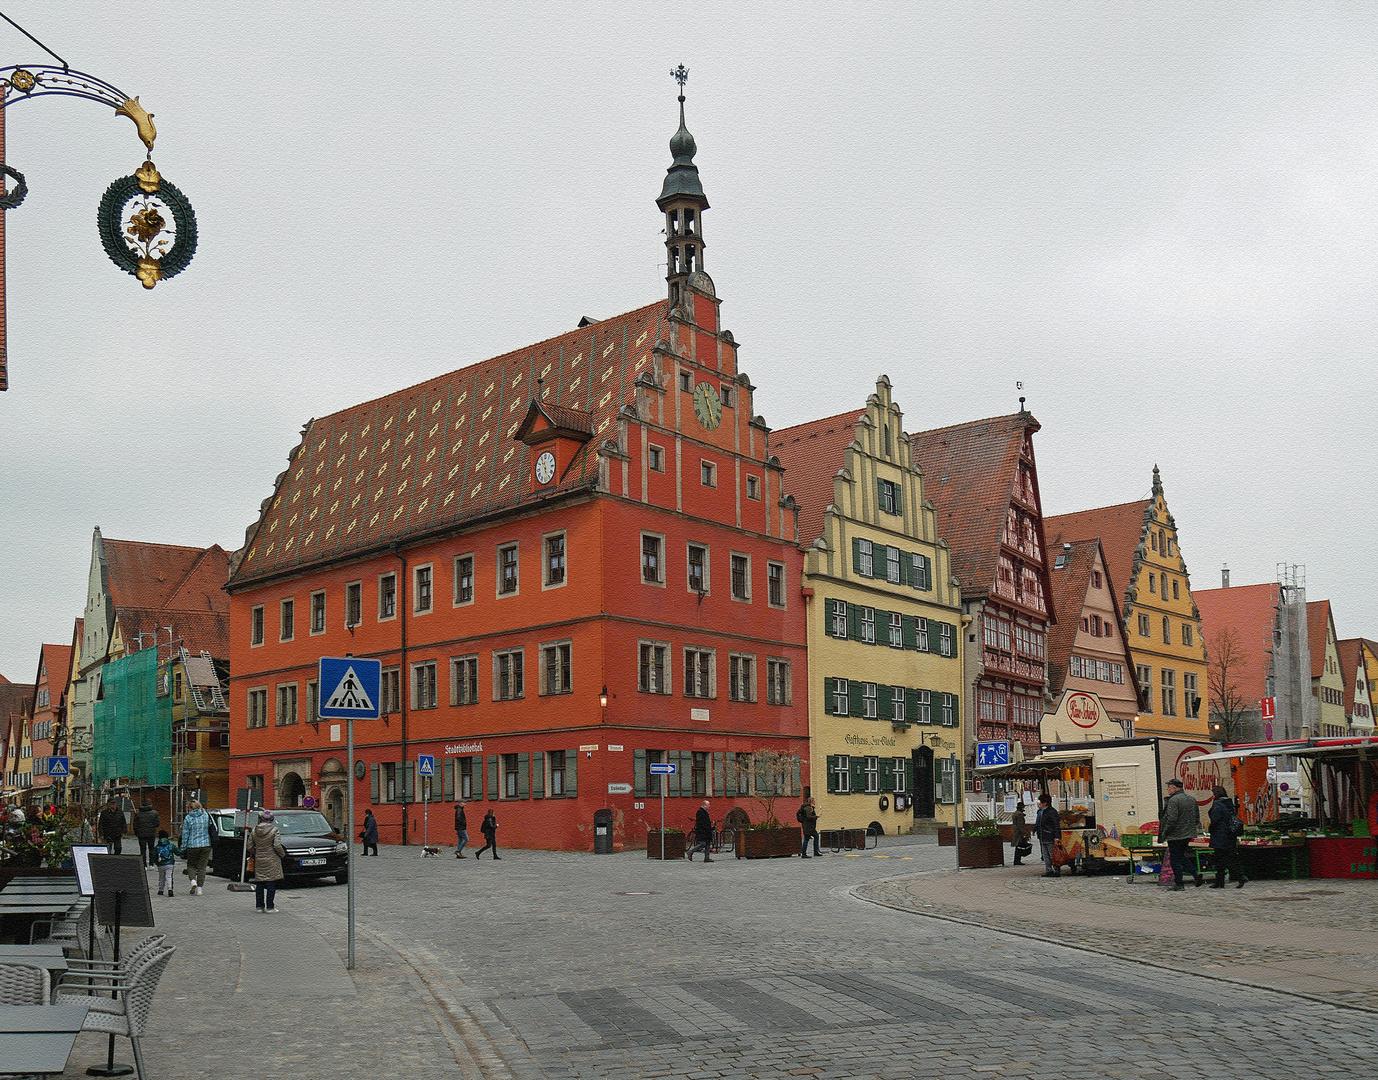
(146, 225)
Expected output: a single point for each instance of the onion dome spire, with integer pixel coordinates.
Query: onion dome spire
(683, 202)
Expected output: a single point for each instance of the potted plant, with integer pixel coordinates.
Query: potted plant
(982, 844)
(673, 839)
(768, 838)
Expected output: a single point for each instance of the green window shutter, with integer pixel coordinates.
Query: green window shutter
(447, 773)
(408, 771)
(882, 627)
(686, 768)
(885, 706)
(828, 697)
(719, 765)
(911, 705)
(956, 709)
(832, 775)
(853, 622)
(904, 567)
(476, 771)
(899, 509)
(910, 637)
(373, 783)
(523, 776)
(909, 775)
(538, 774)
(572, 772)
(795, 790)
(673, 780)
(880, 492)
(492, 777)
(855, 700)
(730, 782)
(887, 777)
(858, 775)
(927, 572)
(638, 772)
(856, 557)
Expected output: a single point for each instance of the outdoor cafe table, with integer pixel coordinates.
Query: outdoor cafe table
(39, 890)
(22, 911)
(44, 954)
(39, 1038)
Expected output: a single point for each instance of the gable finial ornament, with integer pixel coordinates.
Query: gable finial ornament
(1157, 483)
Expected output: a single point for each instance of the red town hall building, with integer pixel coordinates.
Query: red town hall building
(573, 560)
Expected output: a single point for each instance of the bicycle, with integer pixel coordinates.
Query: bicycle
(691, 845)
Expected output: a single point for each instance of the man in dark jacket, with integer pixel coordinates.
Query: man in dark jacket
(1180, 822)
(461, 830)
(146, 824)
(110, 825)
(703, 833)
(1048, 828)
(1224, 815)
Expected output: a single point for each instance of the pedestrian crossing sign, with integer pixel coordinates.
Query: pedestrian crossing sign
(59, 766)
(349, 688)
(425, 764)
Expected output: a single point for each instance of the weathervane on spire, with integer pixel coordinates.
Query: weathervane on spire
(681, 76)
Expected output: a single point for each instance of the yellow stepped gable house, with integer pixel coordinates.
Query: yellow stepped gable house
(1162, 625)
(884, 623)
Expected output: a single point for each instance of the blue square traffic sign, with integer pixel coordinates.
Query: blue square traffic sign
(425, 764)
(349, 688)
(990, 754)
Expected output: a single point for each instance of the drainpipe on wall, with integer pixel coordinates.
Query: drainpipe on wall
(402, 691)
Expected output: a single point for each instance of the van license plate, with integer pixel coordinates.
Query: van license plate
(313, 862)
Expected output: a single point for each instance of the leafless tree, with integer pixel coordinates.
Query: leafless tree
(767, 775)
(1228, 704)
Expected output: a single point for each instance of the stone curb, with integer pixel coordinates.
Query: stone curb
(855, 893)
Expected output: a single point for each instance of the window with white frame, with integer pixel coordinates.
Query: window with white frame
(507, 570)
(842, 774)
(287, 704)
(387, 596)
(652, 559)
(947, 640)
(892, 565)
(464, 579)
(510, 763)
(554, 560)
(896, 630)
(557, 668)
(556, 760)
(779, 690)
(921, 634)
(742, 674)
(868, 625)
(949, 709)
(868, 700)
(699, 672)
(897, 704)
(318, 612)
(653, 667)
(256, 625)
(697, 562)
(872, 775)
(509, 679)
(422, 599)
(841, 697)
(897, 776)
(257, 708)
(839, 620)
(464, 680)
(865, 561)
(390, 690)
(1189, 688)
(1169, 688)
(741, 577)
(423, 685)
(287, 623)
(889, 497)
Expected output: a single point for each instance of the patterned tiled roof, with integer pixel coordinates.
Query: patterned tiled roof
(1120, 529)
(197, 630)
(1317, 620)
(442, 452)
(167, 575)
(812, 454)
(1247, 611)
(969, 471)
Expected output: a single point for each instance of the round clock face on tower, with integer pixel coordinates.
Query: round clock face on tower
(545, 468)
(707, 405)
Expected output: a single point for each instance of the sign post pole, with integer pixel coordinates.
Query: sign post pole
(425, 770)
(661, 770)
(349, 836)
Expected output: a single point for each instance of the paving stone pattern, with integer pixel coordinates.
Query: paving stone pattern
(564, 966)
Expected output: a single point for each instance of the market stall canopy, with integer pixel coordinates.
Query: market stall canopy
(1051, 762)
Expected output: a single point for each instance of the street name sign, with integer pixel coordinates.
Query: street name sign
(619, 789)
(349, 688)
(663, 769)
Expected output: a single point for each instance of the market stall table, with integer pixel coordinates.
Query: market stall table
(39, 1038)
(1257, 857)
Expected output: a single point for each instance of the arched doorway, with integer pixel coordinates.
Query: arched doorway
(924, 805)
(333, 780)
(291, 791)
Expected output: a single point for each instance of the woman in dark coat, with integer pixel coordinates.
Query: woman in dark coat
(1224, 843)
(370, 832)
(489, 828)
(1019, 832)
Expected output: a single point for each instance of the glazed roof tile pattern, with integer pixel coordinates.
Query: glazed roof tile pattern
(197, 630)
(1247, 610)
(1120, 529)
(1317, 621)
(1069, 583)
(1350, 650)
(166, 575)
(969, 472)
(442, 452)
(812, 454)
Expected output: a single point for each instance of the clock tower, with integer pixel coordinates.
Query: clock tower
(683, 202)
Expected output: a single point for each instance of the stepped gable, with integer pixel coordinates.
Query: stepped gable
(209, 630)
(442, 452)
(166, 576)
(1120, 529)
(1317, 619)
(812, 454)
(969, 471)
(1069, 585)
(1248, 610)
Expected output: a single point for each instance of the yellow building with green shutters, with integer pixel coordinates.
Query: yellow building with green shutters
(884, 623)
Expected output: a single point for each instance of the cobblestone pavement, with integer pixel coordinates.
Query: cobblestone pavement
(565, 966)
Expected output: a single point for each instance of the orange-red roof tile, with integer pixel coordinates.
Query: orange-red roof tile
(197, 630)
(1247, 613)
(442, 451)
(147, 575)
(58, 661)
(1350, 650)
(1120, 529)
(1318, 618)
(812, 453)
(1069, 584)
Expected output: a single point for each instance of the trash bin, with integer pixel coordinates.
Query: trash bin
(602, 832)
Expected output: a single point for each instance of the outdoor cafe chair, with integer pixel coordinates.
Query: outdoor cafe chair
(126, 1014)
(23, 984)
(99, 973)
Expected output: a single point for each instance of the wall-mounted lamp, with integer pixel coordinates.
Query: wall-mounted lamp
(603, 697)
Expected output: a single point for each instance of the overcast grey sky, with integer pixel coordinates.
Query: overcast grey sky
(1162, 218)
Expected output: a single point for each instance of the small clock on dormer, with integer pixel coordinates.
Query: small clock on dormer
(545, 468)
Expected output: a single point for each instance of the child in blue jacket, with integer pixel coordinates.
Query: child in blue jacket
(164, 858)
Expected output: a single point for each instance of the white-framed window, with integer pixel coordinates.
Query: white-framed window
(839, 620)
(921, 634)
(897, 704)
(892, 565)
(753, 488)
(318, 612)
(896, 630)
(287, 621)
(423, 685)
(464, 680)
(287, 704)
(779, 688)
(947, 640)
(464, 579)
(696, 559)
(390, 690)
(868, 700)
(889, 497)
(1189, 688)
(741, 577)
(557, 668)
(354, 603)
(868, 625)
(508, 580)
(509, 682)
(949, 710)
(872, 775)
(466, 778)
(775, 584)
(708, 473)
(553, 560)
(656, 458)
(387, 596)
(945, 781)
(1169, 689)
(923, 707)
(897, 773)
(422, 595)
(700, 672)
(653, 667)
(256, 625)
(842, 774)
(556, 762)
(510, 763)
(865, 559)
(653, 558)
(920, 571)
(257, 707)
(742, 676)
(842, 703)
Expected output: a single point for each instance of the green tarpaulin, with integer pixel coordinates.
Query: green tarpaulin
(133, 724)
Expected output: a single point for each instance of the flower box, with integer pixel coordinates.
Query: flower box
(778, 843)
(674, 844)
(979, 852)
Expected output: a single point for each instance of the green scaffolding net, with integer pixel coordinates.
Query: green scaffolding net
(133, 724)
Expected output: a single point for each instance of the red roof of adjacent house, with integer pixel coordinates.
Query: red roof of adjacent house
(812, 454)
(969, 472)
(1351, 651)
(1069, 585)
(1318, 616)
(57, 660)
(168, 576)
(197, 630)
(442, 451)
(1246, 611)
(1120, 529)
